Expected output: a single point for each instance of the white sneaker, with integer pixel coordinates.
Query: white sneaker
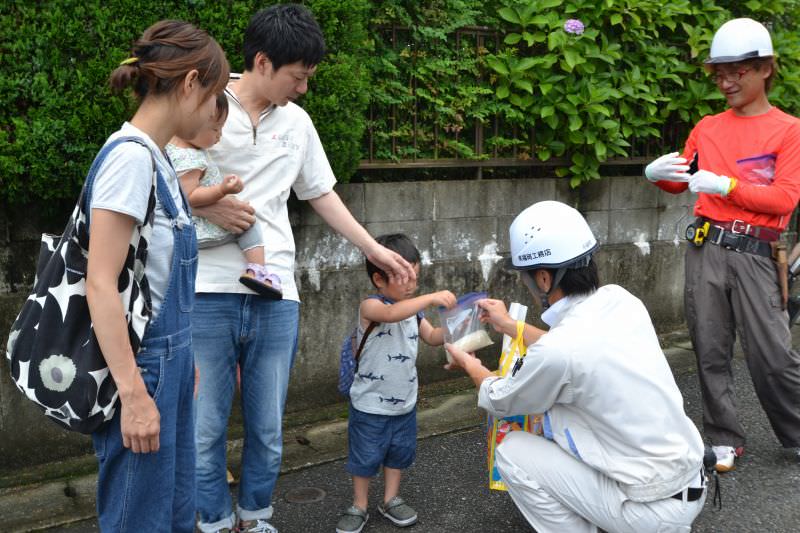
(726, 455)
(256, 526)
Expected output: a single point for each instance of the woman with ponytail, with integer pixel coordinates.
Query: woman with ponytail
(146, 453)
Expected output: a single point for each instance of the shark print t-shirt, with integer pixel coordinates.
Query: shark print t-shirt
(386, 380)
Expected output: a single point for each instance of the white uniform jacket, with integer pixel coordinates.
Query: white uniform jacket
(607, 394)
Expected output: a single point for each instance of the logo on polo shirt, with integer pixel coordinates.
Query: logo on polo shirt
(284, 141)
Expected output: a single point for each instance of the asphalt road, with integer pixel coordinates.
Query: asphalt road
(448, 488)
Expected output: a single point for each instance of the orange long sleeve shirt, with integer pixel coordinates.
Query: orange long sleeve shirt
(762, 152)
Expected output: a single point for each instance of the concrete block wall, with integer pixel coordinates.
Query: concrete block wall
(461, 230)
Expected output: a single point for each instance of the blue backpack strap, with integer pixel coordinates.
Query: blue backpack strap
(86, 195)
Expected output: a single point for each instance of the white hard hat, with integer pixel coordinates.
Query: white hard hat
(550, 235)
(740, 39)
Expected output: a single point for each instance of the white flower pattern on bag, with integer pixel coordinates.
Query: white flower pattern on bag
(57, 372)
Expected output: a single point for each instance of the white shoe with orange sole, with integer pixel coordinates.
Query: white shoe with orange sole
(726, 456)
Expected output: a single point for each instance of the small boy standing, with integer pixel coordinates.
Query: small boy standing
(382, 425)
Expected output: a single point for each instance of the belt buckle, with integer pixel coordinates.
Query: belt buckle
(744, 227)
(718, 239)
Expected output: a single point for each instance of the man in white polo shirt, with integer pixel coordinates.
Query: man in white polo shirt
(272, 145)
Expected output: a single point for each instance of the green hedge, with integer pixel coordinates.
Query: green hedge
(55, 58)
(402, 69)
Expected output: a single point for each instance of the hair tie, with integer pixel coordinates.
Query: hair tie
(129, 61)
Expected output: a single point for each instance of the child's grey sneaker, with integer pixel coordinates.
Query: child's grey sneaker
(399, 512)
(256, 526)
(352, 520)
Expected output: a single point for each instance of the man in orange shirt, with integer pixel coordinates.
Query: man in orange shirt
(748, 184)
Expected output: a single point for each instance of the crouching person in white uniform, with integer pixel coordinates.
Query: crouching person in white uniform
(616, 450)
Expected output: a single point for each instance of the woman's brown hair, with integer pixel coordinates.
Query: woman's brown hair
(165, 53)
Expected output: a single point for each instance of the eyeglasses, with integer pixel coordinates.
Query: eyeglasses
(732, 77)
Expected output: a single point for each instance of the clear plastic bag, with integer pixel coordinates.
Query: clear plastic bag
(462, 325)
(758, 170)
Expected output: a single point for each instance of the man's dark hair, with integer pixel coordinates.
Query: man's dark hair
(396, 242)
(577, 281)
(286, 34)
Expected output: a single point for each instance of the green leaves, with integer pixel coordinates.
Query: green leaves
(56, 108)
(510, 15)
(635, 69)
(421, 76)
(572, 58)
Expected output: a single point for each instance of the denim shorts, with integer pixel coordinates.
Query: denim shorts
(375, 440)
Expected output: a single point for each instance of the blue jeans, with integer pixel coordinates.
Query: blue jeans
(155, 492)
(261, 336)
(380, 440)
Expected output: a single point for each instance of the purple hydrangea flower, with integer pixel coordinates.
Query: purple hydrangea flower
(574, 26)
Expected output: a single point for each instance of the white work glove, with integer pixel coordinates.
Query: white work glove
(668, 167)
(710, 183)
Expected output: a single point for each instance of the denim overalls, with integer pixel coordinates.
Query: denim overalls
(155, 492)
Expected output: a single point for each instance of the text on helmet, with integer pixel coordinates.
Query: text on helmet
(534, 255)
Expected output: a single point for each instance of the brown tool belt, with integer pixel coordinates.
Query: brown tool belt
(740, 227)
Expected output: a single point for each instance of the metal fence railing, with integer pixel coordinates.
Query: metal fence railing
(410, 135)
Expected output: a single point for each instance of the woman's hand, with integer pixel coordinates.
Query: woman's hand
(140, 422)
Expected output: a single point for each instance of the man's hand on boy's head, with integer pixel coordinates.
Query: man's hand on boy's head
(396, 268)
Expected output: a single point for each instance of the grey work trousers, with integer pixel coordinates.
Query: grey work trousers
(724, 290)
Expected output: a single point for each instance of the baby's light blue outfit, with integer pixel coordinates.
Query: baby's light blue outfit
(208, 233)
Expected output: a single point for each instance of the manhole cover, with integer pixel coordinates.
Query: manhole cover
(305, 495)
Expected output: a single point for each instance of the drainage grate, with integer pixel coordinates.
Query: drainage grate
(305, 495)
